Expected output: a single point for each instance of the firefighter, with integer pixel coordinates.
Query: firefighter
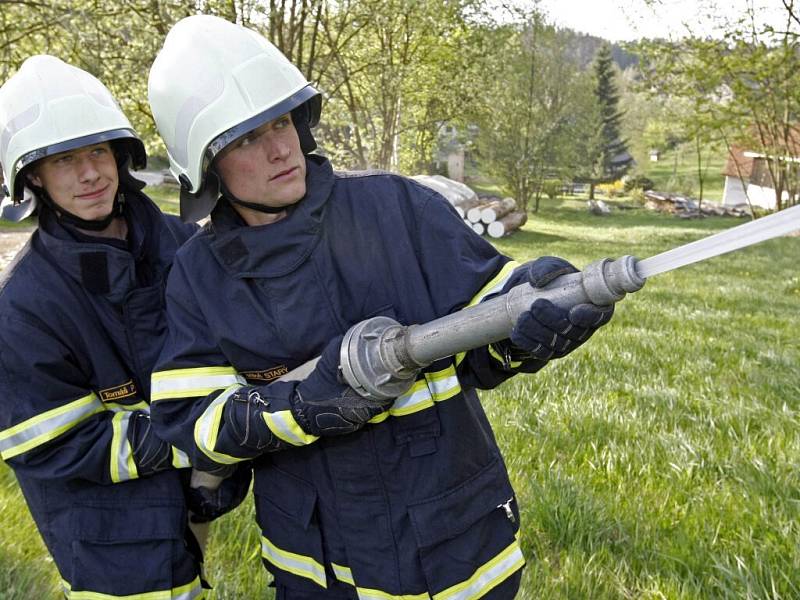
(414, 502)
(81, 325)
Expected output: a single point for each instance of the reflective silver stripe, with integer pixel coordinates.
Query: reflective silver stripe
(486, 576)
(47, 426)
(190, 591)
(297, 564)
(415, 399)
(343, 574)
(206, 429)
(180, 460)
(123, 467)
(282, 424)
(192, 383)
(443, 384)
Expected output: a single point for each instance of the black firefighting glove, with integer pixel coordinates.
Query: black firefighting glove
(151, 454)
(548, 331)
(323, 405)
(205, 504)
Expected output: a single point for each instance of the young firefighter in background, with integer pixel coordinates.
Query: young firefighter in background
(415, 501)
(81, 324)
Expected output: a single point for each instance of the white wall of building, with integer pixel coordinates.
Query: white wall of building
(734, 194)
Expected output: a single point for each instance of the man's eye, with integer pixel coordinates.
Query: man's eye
(61, 160)
(281, 123)
(99, 151)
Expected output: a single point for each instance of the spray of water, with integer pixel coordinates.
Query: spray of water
(776, 224)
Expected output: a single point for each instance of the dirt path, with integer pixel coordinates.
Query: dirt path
(11, 241)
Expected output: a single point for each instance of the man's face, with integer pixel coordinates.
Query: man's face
(82, 181)
(266, 166)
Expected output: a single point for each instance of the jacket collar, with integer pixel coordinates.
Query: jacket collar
(103, 269)
(278, 248)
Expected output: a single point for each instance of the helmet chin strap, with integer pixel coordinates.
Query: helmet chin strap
(308, 144)
(69, 218)
(227, 194)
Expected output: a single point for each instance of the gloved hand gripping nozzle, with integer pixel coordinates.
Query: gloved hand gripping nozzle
(380, 358)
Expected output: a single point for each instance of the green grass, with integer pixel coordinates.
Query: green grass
(659, 461)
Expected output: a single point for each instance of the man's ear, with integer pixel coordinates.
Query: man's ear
(33, 178)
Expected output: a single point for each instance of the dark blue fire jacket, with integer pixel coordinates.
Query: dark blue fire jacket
(418, 503)
(81, 325)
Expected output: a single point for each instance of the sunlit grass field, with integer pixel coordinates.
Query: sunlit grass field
(659, 461)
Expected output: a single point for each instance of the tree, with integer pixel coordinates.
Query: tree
(529, 104)
(608, 153)
(744, 90)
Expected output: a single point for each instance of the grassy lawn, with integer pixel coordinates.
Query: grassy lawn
(659, 461)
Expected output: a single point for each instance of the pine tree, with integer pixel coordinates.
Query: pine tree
(613, 158)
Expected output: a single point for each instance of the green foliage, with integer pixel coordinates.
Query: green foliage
(526, 126)
(639, 182)
(612, 146)
(657, 461)
(740, 90)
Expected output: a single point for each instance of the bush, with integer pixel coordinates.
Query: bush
(637, 196)
(638, 182)
(612, 190)
(551, 188)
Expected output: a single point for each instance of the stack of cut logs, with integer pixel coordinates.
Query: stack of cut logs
(490, 215)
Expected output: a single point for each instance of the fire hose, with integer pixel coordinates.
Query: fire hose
(380, 358)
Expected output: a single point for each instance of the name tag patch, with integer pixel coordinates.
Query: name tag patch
(114, 394)
(266, 374)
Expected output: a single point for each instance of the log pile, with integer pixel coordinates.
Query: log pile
(490, 215)
(688, 208)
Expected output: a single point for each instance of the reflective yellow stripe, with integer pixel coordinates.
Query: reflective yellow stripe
(495, 285)
(343, 574)
(123, 467)
(487, 576)
(206, 429)
(180, 460)
(443, 384)
(493, 353)
(47, 426)
(192, 383)
(369, 594)
(283, 425)
(191, 591)
(434, 387)
(297, 564)
(116, 407)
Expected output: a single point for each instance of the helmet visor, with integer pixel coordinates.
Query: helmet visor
(139, 159)
(219, 143)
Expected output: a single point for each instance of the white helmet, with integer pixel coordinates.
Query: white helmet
(211, 83)
(49, 107)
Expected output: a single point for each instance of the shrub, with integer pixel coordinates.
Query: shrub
(551, 188)
(638, 182)
(612, 190)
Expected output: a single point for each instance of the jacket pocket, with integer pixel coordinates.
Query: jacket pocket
(129, 549)
(466, 536)
(291, 542)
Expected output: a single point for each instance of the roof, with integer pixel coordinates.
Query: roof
(745, 158)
